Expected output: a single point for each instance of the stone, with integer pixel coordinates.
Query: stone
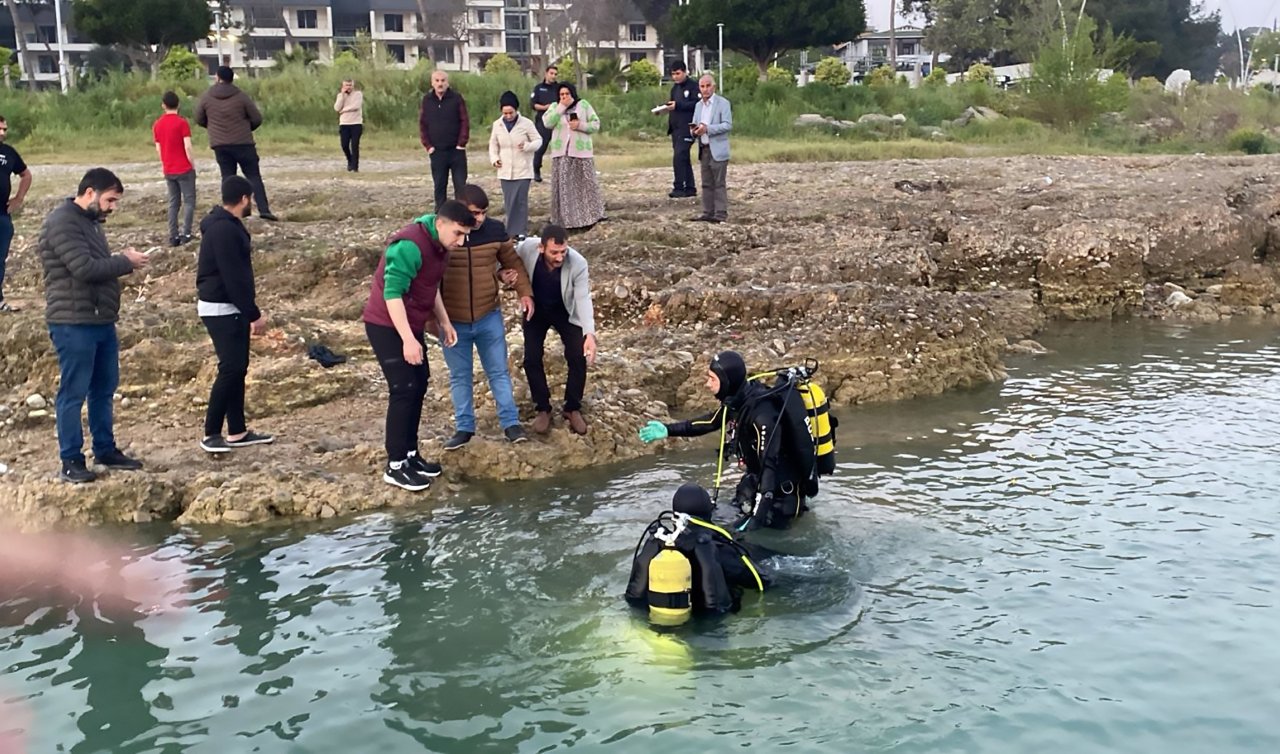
(875, 119)
(899, 119)
(327, 511)
(35, 400)
(236, 517)
(809, 119)
(1178, 300)
(37, 414)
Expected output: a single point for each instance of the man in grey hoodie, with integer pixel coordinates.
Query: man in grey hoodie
(231, 118)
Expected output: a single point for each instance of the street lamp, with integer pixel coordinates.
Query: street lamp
(720, 55)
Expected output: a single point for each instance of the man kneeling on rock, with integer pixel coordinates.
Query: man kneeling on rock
(561, 301)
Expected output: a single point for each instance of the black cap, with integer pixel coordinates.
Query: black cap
(509, 98)
(692, 499)
(732, 371)
(226, 74)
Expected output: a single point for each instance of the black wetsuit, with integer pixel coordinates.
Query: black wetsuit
(720, 575)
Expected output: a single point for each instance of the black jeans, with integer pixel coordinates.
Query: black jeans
(244, 156)
(535, 338)
(545, 133)
(350, 138)
(230, 335)
(681, 162)
(406, 385)
(446, 161)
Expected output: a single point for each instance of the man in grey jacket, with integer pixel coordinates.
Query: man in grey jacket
(561, 301)
(712, 122)
(82, 305)
(231, 117)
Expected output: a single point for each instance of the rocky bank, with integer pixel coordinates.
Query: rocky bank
(904, 278)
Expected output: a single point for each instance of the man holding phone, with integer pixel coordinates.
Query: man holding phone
(679, 109)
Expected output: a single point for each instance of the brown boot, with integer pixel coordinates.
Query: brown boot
(576, 423)
(542, 422)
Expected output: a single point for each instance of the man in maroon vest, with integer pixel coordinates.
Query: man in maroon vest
(403, 303)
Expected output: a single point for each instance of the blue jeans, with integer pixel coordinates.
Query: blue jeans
(487, 336)
(6, 238)
(89, 360)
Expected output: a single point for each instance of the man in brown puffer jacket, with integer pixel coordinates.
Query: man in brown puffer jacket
(231, 118)
(471, 297)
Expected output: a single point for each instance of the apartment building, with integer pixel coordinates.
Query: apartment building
(38, 25)
(458, 35)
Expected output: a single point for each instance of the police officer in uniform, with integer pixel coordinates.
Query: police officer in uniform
(545, 95)
(684, 97)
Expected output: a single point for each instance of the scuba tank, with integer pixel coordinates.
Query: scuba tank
(670, 578)
(817, 416)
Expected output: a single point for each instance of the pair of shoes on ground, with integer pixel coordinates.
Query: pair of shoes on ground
(352, 169)
(515, 433)
(413, 473)
(708, 219)
(219, 444)
(182, 239)
(682, 193)
(577, 424)
(267, 216)
(76, 472)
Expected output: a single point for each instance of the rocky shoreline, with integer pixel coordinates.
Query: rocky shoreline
(905, 278)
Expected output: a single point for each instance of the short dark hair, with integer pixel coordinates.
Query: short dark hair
(100, 180)
(551, 68)
(473, 195)
(226, 74)
(2, 119)
(235, 188)
(457, 212)
(553, 232)
(170, 100)
(679, 66)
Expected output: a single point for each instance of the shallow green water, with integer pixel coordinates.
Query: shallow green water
(1081, 559)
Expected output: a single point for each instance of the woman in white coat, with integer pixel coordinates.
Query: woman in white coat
(512, 143)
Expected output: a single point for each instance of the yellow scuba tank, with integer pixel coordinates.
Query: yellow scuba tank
(670, 587)
(817, 416)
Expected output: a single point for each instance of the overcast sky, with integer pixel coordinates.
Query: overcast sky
(1243, 13)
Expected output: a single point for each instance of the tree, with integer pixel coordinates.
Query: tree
(147, 27)
(997, 31)
(1187, 37)
(500, 64)
(1064, 89)
(643, 75)
(24, 57)
(444, 19)
(764, 29)
(1263, 50)
(181, 64)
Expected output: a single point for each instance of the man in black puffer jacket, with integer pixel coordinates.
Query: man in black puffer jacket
(82, 305)
(227, 306)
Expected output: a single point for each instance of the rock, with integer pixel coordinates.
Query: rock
(4, 468)
(809, 119)
(35, 400)
(1173, 287)
(142, 517)
(327, 511)
(236, 517)
(1178, 300)
(1027, 347)
(875, 119)
(37, 414)
(899, 119)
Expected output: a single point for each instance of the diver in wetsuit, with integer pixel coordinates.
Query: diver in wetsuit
(684, 564)
(765, 427)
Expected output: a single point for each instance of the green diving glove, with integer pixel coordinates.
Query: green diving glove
(654, 430)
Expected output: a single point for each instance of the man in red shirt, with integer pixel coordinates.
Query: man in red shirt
(172, 135)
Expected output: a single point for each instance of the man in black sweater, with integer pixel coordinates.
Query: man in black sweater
(444, 128)
(224, 281)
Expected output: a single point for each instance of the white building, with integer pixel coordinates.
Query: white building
(39, 28)
(871, 51)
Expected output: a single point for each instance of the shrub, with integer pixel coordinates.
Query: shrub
(1115, 94)
(346, 60)
(881, 77)
(643, 75)
(500, 64)
(1249, 141)
(778, 75)
(981, 72)
(741, 79)
(566, 70)
(832, 71)
(181, 64)
(1064, 88)
(937, 78)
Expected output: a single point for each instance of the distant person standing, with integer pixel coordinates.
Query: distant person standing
(11, 164)
(228, 307)
(712, 121)
(679, 109)
(82, 305)
(350, 109)
(172, 135)
(231, 118)
(445, 128)
(545, 94)
(576, 201)
(513, 140)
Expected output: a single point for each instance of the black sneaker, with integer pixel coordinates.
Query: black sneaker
(423, 466)
(459, 439)
(405, 478)
(537, 177)
(187, 238)
(515, 433)
(215, 444)
(268, 216)
(175, 241)
(76, 473)
(119, 461)
(251, 438)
